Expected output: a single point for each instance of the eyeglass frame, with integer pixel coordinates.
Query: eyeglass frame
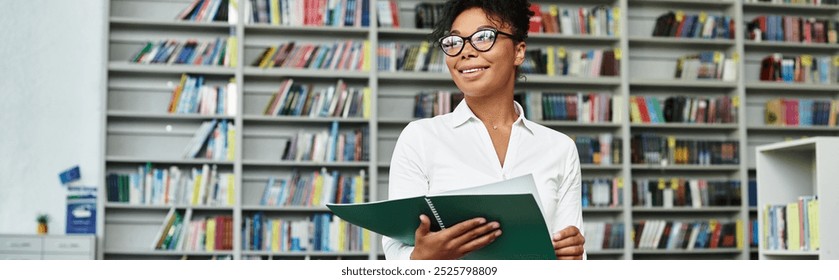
(469, 38)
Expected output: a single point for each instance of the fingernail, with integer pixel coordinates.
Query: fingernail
(498, 233)
(557, 236)
(482, 220)
(496, 225)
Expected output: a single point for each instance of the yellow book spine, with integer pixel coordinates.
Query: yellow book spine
(275, 235)
(176, 95)
(765, 233)
(793, 232)
(231, 189)
(634, 110)
(232, 52)
(366, 101)
(231, 142)
(210, 240)
(815, 242)
(275, 12)
(740, 235)
(268, 59)
(317, 185)
(196, 189)
(342, 236)
(551, 67)
(359, 190)
(365, 239)
(368, 56)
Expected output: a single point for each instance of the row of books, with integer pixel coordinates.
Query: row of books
(210, 11)
(650, 148)
(601, 192)
(431, 104)
(353, 13)
(689, 235)
(388, 13)
(603, 149)
(582, 107)
(214, 139)
(603, 235)
(342, 55)
(193, 96)
(792, 29)
(221, 52)
(706, 65)
(682, 109)
(181, 232)
(314, 189)
(680, 192)
(601, 20)
(702, 25)
(294, 99)
(428, 14)
(559, 61)
(801, 112)
(793, 226)
(799, 69)
(329, 145)
(754, 235)
(172, 186)
(319, 233)
(802, 2)
(422, 57)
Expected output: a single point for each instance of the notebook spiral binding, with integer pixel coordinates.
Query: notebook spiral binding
(436, 215)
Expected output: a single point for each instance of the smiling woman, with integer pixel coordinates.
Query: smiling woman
(486, 138)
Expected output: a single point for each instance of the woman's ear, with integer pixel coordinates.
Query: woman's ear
(521, 49)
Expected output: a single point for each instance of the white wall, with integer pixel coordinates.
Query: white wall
(51, 60)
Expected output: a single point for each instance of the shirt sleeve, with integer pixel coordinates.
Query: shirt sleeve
(408, 178)
(568, 210)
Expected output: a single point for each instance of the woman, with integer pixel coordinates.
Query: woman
(486, 138)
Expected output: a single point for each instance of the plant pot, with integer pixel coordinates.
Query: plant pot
(42, 229)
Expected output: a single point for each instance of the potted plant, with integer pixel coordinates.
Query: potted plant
(42, 220)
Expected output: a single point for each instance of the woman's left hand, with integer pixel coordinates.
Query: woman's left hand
(568, 244)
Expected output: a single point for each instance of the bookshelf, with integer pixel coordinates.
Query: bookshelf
(139, 129)
(789, 170)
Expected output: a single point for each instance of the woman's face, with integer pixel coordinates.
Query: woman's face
(484, 73)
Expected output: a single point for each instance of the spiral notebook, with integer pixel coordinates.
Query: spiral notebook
(514, 203)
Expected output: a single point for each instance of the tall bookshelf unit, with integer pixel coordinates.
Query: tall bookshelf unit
(138, 129)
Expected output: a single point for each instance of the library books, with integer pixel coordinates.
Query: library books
(603, 149)
(809, 30)
(427, 14)
(650, 148)
(432, 104)
(525, 235)
(219, 52)
(210, 11)
(682, 109)
(603, 235)
(347, 13)
(341, 55)
(329, 145)
(335, 101)
(793, 226)
(193, 96)
(314, 189)
(801, 112)
(799, 69)
(702, 25)
(600, 20)
(410, 57)
(172, 186)
(797, 2)
(681, 192)
(559, 61)
(213, 140)
(601, 192)
(388, 13)
(181, 232)
(316, 233)
(688, 235)
(706, 65)
(584, 107)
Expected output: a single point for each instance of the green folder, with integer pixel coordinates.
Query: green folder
(524, 232)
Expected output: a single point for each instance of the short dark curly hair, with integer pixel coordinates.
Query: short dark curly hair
(515, 13)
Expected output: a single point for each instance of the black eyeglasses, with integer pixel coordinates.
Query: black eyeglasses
(482, 40)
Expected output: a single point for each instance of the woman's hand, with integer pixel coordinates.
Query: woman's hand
(453, 242)
(568, 244)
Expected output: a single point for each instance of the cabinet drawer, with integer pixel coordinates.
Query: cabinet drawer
(67, 245)
(20, 244)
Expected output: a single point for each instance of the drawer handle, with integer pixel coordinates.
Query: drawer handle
(21, 245)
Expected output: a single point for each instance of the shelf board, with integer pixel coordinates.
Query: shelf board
(285, 208)
(686, 167)
(703, 3)
(418, 33)
(614, 167)
(603, 209)
(785, 8)
(692, 126)
(164, 116)
(304, 163)
(531, 78)
(305, 73)
(293, 119)
(139, 160)
(164, 252)
(792, 128)
(123, 205)
(686, 251)
(833, 88)
(789, 253)
(680, 83)
(139, 22)
(775, 46)
(678, 41)
(557, 37)
(576, 124)
(605, 252)
(331, 31)
(415, 76)
(752, 209)
(681, 209)
(305, 254)
(128, 67)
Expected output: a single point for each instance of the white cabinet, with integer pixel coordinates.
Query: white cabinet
(805, 167)
(47, 247)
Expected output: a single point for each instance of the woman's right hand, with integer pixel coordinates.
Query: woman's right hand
(453, 242)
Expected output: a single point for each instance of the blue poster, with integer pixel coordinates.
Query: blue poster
(81, 212)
